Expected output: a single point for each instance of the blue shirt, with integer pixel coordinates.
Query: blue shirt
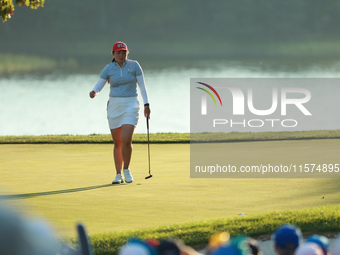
(123, 81)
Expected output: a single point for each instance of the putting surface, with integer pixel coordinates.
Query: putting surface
(70, 183)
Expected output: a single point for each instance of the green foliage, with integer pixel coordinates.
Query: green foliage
(313, 220)
(7, 7)
(34, 4)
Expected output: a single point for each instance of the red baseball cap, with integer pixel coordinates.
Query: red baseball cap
(119, 46)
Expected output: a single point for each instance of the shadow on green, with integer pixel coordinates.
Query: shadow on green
(54, 192)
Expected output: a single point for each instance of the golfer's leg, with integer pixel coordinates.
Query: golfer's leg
(117, 149)
(126, 140)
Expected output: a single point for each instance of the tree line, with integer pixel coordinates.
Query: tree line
(234, 20)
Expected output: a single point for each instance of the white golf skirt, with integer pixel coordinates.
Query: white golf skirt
(122, 110)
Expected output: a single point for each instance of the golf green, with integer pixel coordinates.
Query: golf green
(70, 183)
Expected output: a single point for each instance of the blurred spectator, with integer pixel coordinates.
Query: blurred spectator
(309, 249)
(335, 248)
(137, 247)
(153, 243)
(19, 236)
(169, 247)
(287, 239)
(217, 240)
(254, 246)
(175, 247)
(322, 241)
(236, 246)
(226, 250)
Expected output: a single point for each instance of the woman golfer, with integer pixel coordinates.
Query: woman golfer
(123, 76)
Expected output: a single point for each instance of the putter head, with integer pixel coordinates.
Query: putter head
(148, 176)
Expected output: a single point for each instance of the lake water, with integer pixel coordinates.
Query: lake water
(58, 103)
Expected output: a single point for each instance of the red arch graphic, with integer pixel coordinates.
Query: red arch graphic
(218, 96)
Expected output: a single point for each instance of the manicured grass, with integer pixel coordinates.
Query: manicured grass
(175, 137)
(70, 182)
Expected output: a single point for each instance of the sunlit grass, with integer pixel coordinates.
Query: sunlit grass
(176, 137)
(10, 63)
(68, 183)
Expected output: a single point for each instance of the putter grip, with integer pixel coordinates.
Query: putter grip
(147, 123)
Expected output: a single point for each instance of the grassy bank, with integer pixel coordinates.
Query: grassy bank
(175, 137)
(10, 63)
(311, 221)
(77, 55)
(95, 138)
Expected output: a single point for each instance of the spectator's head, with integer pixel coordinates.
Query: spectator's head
(136, 247)
(236, 246)
(153, 243)
(175, 247)
(322, 241)
(287, 239)
(217, 240)
(225, 250)
(19, 236)
(169, 247)
(254, 246)
(335, 248)
(309, 249)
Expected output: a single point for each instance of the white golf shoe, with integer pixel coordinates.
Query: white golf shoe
(127, 175)
(118, 180)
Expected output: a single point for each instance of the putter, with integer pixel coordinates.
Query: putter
(147, 127)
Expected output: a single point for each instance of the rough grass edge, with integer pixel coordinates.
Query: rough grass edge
(318, 220)
(176, 137)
